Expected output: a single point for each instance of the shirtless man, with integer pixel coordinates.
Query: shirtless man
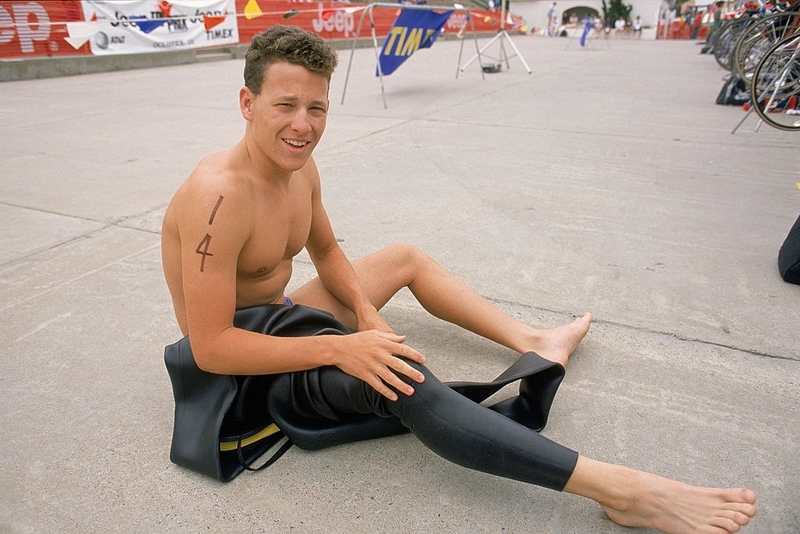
(228, 240)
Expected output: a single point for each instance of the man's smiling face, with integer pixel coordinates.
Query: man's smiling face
(287, 118)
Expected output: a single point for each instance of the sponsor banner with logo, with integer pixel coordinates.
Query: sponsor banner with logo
(330, 20)
(411, 31)
(339, 20)
(31, 28)
(156, 25)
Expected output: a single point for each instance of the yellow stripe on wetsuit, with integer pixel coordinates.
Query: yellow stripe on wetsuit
(225, 446)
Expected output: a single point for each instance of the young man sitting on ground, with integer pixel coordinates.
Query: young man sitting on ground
(228, 240)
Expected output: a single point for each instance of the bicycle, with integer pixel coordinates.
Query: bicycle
(759, 37)
(775, 85)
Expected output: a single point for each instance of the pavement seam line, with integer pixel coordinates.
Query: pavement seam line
(673, 335)
(79, 277)
(752, 352)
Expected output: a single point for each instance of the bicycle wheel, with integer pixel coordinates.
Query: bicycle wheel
(726, 40)
(758, 38)
(775, 87)
(711, 37)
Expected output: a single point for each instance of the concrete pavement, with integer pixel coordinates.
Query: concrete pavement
(607, 180)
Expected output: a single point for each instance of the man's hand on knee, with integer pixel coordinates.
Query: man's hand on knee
(377, 358)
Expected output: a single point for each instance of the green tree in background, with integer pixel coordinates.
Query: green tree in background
(615, 10)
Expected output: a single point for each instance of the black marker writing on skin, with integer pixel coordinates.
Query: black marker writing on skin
(214, 211)
(202, 247)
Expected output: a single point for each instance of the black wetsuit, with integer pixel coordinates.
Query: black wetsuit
(325, 406)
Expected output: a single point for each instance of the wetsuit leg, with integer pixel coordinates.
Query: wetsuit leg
(451, 425)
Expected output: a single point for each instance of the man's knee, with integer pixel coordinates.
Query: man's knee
(428, 392)
(404, 253)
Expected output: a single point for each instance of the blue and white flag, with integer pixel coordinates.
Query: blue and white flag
(412, 29)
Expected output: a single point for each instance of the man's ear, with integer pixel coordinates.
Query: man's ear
(246, 98)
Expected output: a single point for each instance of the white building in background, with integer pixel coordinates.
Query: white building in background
(535, 11)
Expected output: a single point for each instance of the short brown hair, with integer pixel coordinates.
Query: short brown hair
(291, 44)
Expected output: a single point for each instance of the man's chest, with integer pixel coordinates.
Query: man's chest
(280, 231)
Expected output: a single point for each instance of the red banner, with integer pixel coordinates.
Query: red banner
(338, 20)
(331, 20)
(30, 28)
(38, 28)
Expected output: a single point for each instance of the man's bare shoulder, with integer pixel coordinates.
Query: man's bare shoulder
(309, 172)
(214, 176)
(219, 170)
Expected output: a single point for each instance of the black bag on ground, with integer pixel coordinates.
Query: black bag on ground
(789, 255)
(734, 92)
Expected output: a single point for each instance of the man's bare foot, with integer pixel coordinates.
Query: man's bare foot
(671, 506)
(557, 344)
(636, 499)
